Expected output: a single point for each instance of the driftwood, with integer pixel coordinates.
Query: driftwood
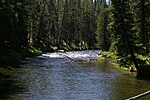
(79, 60)
(70, 58)
(139, 96)
(61, 51)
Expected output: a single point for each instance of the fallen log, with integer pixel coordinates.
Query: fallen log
(139, 96)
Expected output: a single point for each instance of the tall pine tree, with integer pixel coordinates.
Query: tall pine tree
(103, 35)
(121, 27)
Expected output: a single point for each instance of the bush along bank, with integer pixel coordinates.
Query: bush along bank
(143, 62)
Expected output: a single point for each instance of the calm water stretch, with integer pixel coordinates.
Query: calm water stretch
(69, 76)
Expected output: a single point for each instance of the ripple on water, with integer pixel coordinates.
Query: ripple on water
(55, 78)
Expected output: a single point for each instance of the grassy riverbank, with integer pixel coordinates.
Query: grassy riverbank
(144, 63)
(12, 57)
(114, 60)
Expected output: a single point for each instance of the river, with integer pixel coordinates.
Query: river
(69, 76)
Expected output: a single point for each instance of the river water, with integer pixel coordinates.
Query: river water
(69, 76)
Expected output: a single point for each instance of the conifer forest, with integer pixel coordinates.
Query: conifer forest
(122, 27)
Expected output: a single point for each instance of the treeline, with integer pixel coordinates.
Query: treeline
(124, 29)
(118, 26)
(46, 25)
(63, 24)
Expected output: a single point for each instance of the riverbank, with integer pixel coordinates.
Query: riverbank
(114, 61)
(12, 58)
(144, 69)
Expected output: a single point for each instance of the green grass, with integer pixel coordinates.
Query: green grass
(109, 55)
(144, 61)
(101, 59)
(33, 52)
(114, 60)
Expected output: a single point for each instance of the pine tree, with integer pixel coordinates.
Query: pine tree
(121, 27)
(13, 18)
(141, 14)
(103, 35)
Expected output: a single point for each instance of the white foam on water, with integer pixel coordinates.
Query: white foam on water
(52, 55)
(78, 55)
(75, 54)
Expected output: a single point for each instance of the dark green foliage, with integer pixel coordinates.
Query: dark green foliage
(13, 29)
(63, 24)
(141, 14)
(121, 29)
(103, 34)
(45, 24)
(71, 24)
(130, 30)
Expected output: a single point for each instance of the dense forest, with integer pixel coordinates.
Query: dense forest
(122, 27)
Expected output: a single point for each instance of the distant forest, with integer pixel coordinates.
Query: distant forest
(118, 26)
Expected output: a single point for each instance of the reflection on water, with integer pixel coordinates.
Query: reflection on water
(46, 78)
(9, 86)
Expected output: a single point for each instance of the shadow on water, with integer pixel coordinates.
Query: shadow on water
(8, 86)
(53, 77)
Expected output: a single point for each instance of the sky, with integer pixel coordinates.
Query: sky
(106, 0)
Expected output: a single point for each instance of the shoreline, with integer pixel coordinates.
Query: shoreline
(144, 72)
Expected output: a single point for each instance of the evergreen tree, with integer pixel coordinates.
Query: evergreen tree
(103, 35)
(141, 14)
(121, 27)
(13, 18)
(88, 24)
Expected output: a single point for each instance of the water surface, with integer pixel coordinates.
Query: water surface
(53, 76)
